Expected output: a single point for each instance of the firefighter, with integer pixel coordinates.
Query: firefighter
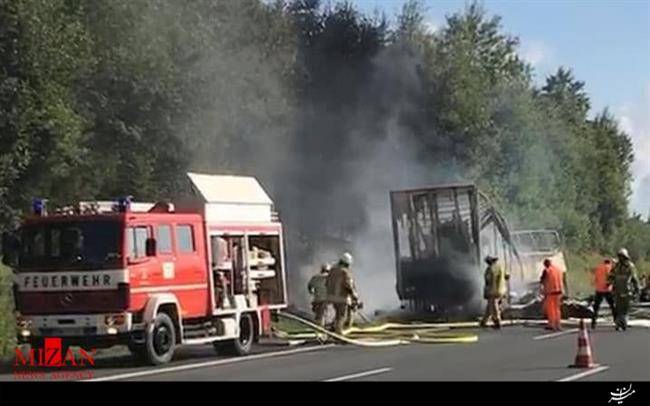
(603, 289)
(645, 291)
(317, 287)
(552, 289)
(625, 283)
(341, 292)
(494, 291)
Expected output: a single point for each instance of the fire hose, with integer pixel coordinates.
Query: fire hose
(385, 335)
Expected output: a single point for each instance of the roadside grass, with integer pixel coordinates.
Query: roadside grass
(290, 326)
(579, 272)
(7, 323)
(580, 265)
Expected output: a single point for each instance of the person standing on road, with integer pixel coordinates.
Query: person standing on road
(645, 289)
(341, 291)
(603, 289)
(494, 290)
(552, 289)
(625, 284)
(317, 287)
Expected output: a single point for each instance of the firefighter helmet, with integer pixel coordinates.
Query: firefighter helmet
(346, 259)
(490, 259)
(623, 253)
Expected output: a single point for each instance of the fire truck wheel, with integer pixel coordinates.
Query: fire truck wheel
(137, 350)
(64, 349)
(39, 344)
(160, 340)
(243, 344)
(36, 343)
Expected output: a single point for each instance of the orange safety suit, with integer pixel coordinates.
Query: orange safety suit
(553, 288)
(600, 278)
(603, 291)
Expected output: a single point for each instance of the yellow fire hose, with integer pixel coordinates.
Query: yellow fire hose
(388, 334)
(391, 334)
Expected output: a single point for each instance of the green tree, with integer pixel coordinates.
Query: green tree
(43, 47)
(614, 157)
(190, 85)
(469, 61)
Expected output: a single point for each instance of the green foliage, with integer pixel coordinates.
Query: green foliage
(43, 47)
(580, 276)
(635, 236)
(105, 98)
(7, 323)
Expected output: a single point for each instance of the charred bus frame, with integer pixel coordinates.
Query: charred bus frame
(439, 233)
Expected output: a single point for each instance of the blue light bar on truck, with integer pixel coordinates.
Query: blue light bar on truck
(124, 203)
(39, 207)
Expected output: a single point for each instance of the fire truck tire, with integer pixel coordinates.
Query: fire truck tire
(64, 349)
(137, 350)
(160, 340)
(39, 344)
(36, 344)
(243, 344)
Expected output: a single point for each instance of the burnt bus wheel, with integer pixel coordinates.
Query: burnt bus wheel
(160, 340)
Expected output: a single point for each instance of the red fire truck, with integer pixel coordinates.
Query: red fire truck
(206, 270)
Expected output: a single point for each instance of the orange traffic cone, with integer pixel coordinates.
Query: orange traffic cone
(584, 358)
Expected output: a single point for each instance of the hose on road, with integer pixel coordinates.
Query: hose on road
(385, 335)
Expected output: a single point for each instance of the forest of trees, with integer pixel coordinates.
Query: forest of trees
(100, 99)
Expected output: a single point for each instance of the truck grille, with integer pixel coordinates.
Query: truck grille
(74, 302)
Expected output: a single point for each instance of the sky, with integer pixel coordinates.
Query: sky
(605, 42)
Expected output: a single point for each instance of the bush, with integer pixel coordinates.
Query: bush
(579, 274)
(7, 322)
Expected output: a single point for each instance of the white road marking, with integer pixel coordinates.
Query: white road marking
(556, 334)
(207, 364)
(359, 375)
(583, 374)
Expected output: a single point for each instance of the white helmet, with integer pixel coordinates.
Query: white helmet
(346, 259)
(623, 252)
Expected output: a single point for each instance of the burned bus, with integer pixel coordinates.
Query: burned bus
(534, 247)
(441, 235)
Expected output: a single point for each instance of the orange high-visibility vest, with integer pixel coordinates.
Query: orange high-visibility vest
(600, 277)
(552, 280)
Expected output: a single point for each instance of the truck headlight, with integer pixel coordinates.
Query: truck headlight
(22, 323)
(115, 320)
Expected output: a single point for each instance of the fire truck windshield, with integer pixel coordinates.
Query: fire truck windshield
(70, 245)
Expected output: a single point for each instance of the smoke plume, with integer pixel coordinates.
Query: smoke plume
(344, 204)
(328, 162)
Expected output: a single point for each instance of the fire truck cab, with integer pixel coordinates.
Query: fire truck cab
(206, 270)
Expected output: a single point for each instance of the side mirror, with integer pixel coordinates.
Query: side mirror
(150, 247)
(10, 249)
(5, 244)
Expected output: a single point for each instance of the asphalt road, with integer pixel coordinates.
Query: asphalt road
(512, 354)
